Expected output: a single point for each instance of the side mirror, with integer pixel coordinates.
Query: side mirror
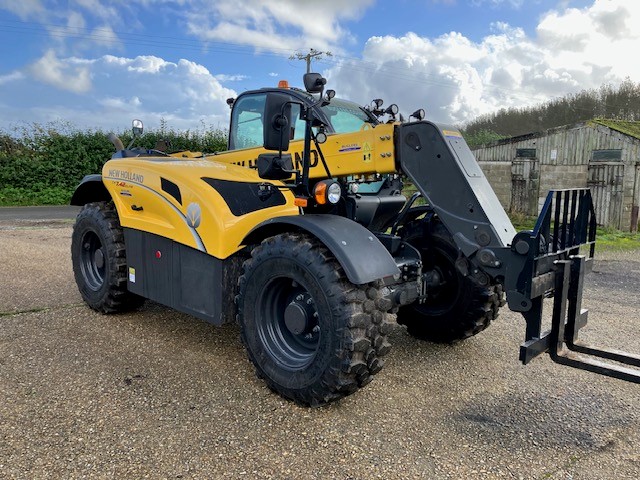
(277, 121)
(137, 128)
(313, 82)
(272, 166)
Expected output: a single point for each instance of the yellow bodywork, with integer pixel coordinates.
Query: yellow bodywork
(202, 219)
(367, 151)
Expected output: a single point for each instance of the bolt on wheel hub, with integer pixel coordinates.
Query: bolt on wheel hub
(299, 315)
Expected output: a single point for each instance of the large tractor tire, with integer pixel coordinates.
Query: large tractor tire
(459, 307)
(99, 259)
(313, 336)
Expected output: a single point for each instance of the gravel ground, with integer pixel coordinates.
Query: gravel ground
(159, 394)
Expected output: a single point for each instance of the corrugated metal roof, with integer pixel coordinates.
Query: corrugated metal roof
(628, 128)
(631, 129)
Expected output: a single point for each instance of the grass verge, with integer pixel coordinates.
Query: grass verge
(606, 238)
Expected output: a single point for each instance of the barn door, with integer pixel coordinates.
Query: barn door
(525, 186)
(605, 181)
(635, 208)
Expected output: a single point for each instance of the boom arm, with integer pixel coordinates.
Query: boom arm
(530, 265)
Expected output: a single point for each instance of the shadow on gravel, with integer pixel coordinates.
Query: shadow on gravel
(616, 276)
(524, 420)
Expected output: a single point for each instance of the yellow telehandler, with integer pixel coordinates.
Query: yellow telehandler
(301, 233)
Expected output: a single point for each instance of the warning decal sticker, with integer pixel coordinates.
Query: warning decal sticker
(452, 133)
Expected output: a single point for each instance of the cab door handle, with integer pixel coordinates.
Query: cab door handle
(135, 208)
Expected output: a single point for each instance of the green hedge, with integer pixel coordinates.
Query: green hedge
(42, 165)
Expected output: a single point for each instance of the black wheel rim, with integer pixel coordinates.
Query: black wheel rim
(287, 323)
(92, 261)
(445, 296)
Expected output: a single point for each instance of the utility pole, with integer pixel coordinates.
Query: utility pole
(313, 54)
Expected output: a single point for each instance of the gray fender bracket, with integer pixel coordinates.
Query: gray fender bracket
(360, 253)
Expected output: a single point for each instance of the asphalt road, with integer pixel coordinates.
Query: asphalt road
(159, 394)
(54, 212)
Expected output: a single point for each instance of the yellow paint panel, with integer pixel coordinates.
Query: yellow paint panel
(367, 151)
(136, 182)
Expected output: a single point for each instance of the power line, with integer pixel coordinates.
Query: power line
(312, 55)
(128, 38)
(177, 43)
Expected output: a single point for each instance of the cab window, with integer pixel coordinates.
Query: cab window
(246, 122)
(299, 124)
(345, 117)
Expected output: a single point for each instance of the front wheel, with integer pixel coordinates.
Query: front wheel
(312, 335)
(458, 307)
(99, 259)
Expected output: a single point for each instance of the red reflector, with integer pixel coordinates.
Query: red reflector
(158, 254)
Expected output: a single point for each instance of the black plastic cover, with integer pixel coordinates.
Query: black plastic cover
(362, 256)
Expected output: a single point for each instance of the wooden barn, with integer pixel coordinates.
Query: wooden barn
(601, 154)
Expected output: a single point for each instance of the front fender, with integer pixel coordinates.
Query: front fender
(359, 252)
(91, 189)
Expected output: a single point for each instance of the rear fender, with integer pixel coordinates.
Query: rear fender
(361, 255)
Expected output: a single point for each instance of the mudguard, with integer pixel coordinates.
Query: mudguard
(90, 189)
(359, 252)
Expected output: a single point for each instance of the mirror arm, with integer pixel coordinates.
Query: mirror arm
(308, 137)
(306, 156)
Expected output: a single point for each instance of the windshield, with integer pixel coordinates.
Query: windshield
(247, 127)
(346, 116)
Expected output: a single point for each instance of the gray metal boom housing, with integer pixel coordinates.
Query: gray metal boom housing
(531, 265)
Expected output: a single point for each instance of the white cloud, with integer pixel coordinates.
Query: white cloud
(121, 104)
(184, 93)
(455, 79)
(145, 64)
(61, 74)
(498, 3)
(76, 21)
(222, 77)
(275, 25)
(25, 9)
(105, 36)
(100, 9)
(11, 77)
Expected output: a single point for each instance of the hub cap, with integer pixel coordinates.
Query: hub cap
(287, 322)
(92, 261)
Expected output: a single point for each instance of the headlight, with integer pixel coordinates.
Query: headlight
(327, 191)
(334, 192)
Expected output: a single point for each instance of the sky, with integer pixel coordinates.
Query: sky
(99, 64)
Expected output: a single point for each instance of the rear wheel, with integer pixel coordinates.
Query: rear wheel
(312, 335)
(99, 259)
(458, 307)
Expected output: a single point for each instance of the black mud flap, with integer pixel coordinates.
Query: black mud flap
(559, 253)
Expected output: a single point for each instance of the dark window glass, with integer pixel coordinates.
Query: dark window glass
(607, 155)
(525, 153)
